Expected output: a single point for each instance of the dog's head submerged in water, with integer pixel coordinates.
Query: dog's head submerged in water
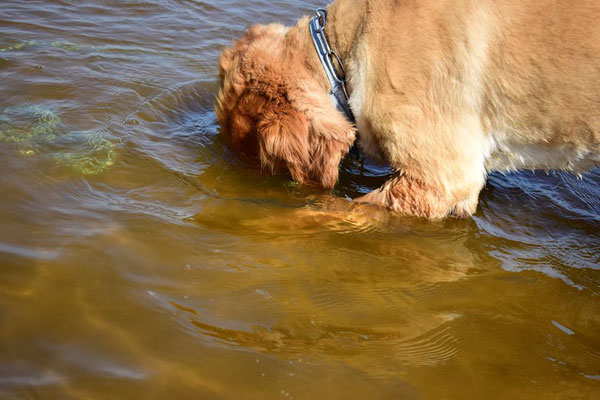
(274, 108)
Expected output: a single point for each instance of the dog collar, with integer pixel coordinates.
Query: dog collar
(338, 92)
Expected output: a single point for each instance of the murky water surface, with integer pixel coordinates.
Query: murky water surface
(140, 259)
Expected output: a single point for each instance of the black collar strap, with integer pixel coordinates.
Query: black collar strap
(338, 92)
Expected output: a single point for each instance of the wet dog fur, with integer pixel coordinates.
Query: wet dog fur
(443, 91)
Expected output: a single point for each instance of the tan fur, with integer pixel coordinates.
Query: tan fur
(444, 91)
(275, 108)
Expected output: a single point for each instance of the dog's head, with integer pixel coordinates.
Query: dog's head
(276, 112)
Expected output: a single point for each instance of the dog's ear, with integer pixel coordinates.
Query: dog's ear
(310, 148)
(331, 137)
(283, 140)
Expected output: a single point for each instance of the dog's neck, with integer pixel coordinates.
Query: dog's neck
(344, 18)
(343, 23)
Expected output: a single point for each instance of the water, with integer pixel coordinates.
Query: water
(140, 259)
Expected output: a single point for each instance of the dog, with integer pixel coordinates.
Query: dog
(442, 91)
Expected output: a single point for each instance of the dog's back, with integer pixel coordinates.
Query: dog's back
(542, 83)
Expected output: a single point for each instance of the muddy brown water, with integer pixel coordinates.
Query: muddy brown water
(140, 259)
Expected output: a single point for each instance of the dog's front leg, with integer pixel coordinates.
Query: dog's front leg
(411, 196)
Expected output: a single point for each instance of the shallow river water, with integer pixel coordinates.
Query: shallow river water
(140, 259)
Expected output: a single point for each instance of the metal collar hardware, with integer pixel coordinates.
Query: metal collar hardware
(338, 92)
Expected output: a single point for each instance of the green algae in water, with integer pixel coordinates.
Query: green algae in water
(34, 126)
(66, 45)
(61, 44)
(17, 46)
(29, 123)
(93, 155)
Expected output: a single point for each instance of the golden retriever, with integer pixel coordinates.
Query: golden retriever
(443, 91)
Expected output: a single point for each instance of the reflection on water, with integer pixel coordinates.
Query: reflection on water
(139, 257)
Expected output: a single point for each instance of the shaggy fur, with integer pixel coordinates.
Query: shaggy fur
(443, 91)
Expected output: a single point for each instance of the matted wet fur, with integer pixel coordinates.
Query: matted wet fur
(443, 91)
